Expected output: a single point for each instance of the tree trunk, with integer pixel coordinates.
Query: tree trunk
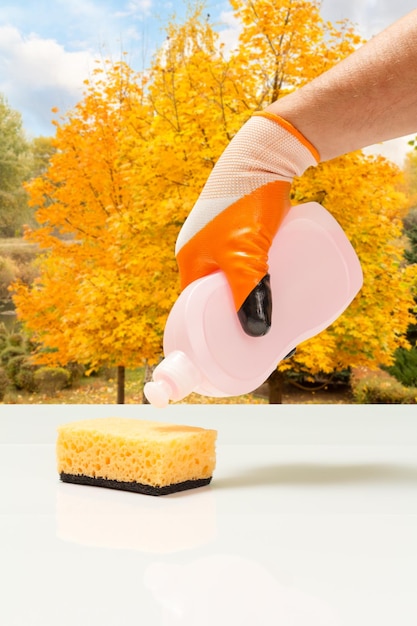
(120, 384)
(275, 387)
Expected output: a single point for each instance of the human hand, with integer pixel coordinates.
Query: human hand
(241, 207)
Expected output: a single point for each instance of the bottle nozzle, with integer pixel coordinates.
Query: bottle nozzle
(173, 379)
(158, 393)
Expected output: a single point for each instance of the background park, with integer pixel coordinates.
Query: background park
(89, 219)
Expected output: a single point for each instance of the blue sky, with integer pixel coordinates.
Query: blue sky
(48, 47)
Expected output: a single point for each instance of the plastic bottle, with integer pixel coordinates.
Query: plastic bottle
(315, 274)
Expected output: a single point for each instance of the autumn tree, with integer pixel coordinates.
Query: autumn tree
(131, 160)
(100, 298)
(202, 97)
(362, 194)
(285, 44)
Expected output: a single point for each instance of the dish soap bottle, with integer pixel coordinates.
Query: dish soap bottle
(315, 274)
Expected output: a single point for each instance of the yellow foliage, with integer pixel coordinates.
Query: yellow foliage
(362, 192)
(131, 160)
(285, 44)
(98, 297)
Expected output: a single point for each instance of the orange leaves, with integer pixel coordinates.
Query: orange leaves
(285, 44)
(131, 160)
(95, 299)
(363, 194)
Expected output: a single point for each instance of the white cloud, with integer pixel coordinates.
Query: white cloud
(38, 74)
(81, 8)
(142, 6)
(45, 55)
(370, 16)
(230, 34)
(40, 62)
(136, 8)
(394, 150)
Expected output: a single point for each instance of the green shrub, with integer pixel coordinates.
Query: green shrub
(405, 367)
(9, 352)
(50, 380)
(13, 366)
(4, 337)
(107, 372)
(21, 372)
(16, 339)
(28, 272)
(3, 342)
(4, 383)
(376, 390)
(25, 377)
(76, 371)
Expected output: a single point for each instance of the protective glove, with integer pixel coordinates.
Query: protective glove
(239, 211)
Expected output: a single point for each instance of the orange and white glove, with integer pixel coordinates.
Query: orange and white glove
(239, 211)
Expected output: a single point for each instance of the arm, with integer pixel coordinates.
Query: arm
(370, 96)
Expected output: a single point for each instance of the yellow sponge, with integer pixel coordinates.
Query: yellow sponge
(136, 455)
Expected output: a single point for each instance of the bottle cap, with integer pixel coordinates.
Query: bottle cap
(174, 378)
(158, 393)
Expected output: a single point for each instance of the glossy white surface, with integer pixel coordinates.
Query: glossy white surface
(311, 520)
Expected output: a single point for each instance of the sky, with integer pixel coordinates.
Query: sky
(49, 47)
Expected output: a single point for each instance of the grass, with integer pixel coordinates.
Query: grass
(12, 243)
(18, 249)
(103, 390)
(5, 241)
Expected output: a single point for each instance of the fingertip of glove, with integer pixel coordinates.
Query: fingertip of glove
(256, 312)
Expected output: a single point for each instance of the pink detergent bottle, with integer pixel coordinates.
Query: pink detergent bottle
(315, 274)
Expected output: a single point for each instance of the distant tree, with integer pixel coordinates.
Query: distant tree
(410, 175)
(20, 160)
(13, 170)
(41, 150)
(410, 230)
(410, 255)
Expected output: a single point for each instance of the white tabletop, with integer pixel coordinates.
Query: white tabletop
(310, 520)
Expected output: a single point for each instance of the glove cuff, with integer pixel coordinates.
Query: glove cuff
(267, 150)
(291, 129)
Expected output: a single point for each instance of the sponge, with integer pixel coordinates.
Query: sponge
(148, 457)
